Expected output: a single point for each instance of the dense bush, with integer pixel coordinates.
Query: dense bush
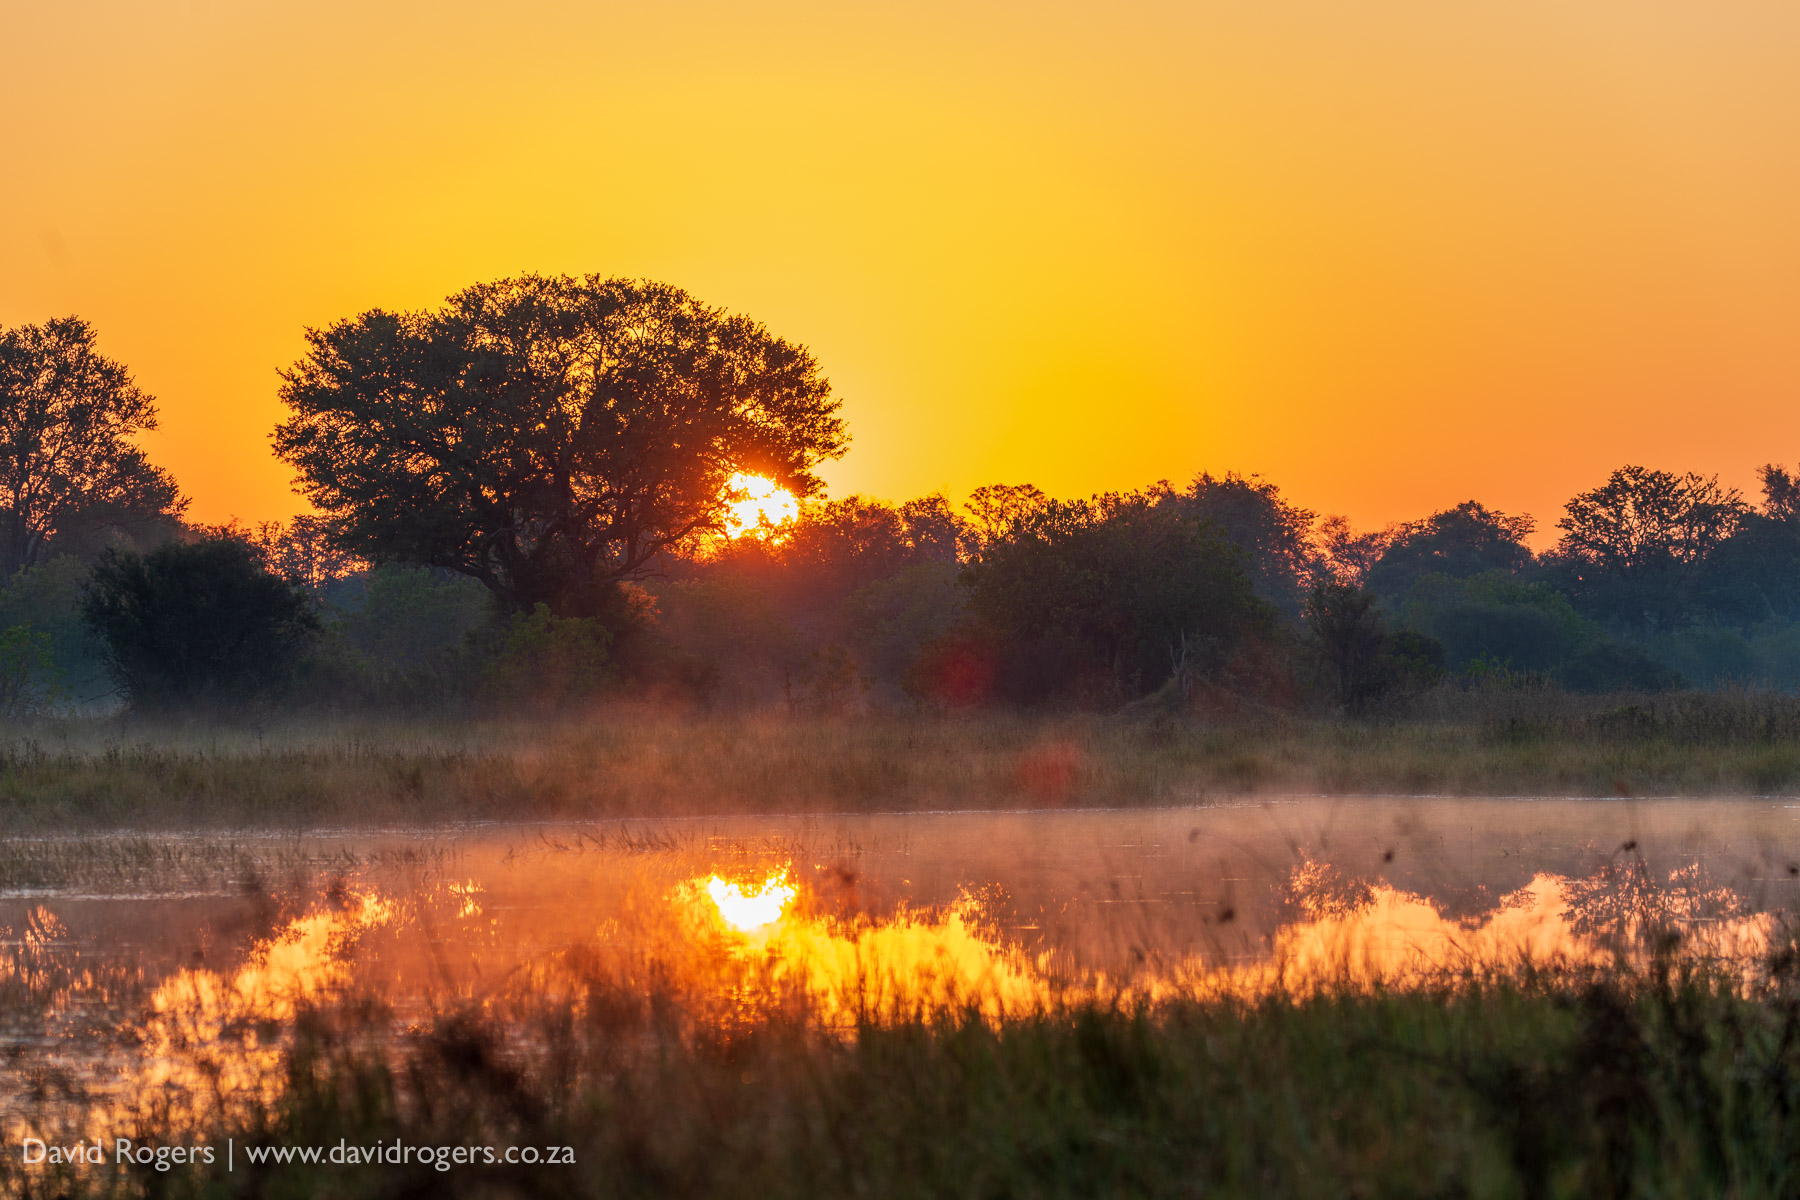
(1108, 599)
(47, 600)
(29, 681)
(197, 623)
(1493, 617)
(1363, 660)
(548, 661)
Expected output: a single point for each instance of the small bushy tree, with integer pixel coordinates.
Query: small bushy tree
(549, 661)
(201, 622)
(47, 598)
(1498, 620)
(403, 619)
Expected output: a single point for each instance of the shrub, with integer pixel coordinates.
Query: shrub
(29, 680)
(1616, 667)
(1104, 600)
(552, 660)
(197, 623)
(405, 618)
(47, 598)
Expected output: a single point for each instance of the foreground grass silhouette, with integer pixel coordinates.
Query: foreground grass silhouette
(626, 761)
(1660, 1082)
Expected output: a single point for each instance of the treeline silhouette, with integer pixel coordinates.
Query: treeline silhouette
(520, 502)
(1223, 591)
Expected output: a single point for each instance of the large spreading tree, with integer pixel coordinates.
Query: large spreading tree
(68, 468)
(548, 436)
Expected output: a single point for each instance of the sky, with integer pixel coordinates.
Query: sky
(1390, 255)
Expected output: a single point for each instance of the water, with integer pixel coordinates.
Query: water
(137, 965)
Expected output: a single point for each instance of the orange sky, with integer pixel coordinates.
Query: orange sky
(1392, 255)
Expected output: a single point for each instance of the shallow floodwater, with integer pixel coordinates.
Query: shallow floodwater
(132, 964)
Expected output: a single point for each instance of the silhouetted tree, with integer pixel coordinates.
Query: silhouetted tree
(1754, 575)
(1345, 555)
(1633, 549)
(997, 510)
(197, 622)
(933, 530)
(1111, 597)
(1365, 661)
(1459, 542)
(838, 546)
(1348, 630)
(302, 552)
(548, 436)
(67, 467)
(1781, 493)
(1276, 535)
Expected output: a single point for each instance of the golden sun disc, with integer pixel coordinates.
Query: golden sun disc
(757, 504)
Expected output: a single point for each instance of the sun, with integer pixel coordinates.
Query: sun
(757, 504)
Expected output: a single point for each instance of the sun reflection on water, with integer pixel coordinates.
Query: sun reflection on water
(749, 909)
(859, 969)
(1344, 935)
(728, 944)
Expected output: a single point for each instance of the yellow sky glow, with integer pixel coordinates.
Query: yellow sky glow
(1391, 255)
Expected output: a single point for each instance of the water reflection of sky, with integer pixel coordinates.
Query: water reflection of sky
(131, 966)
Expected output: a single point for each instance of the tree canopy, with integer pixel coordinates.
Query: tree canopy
(1113, 595)
(548, 436)
(67, 464)
(1470, 539)
(1635, 547)
(1754, 575)
(1274, 534)
(197, 622)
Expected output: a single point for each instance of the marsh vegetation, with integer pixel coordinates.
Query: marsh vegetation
(634, 761)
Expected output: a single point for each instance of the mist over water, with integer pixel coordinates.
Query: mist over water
(171, 967)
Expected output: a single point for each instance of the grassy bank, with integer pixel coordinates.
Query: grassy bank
(1528, 1086)
(634, 762)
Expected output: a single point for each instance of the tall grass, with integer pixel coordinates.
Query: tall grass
(1665, 1083)
(624, 761)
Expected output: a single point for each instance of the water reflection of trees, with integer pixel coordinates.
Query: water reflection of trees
(1316, 889)
(1623, 899)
